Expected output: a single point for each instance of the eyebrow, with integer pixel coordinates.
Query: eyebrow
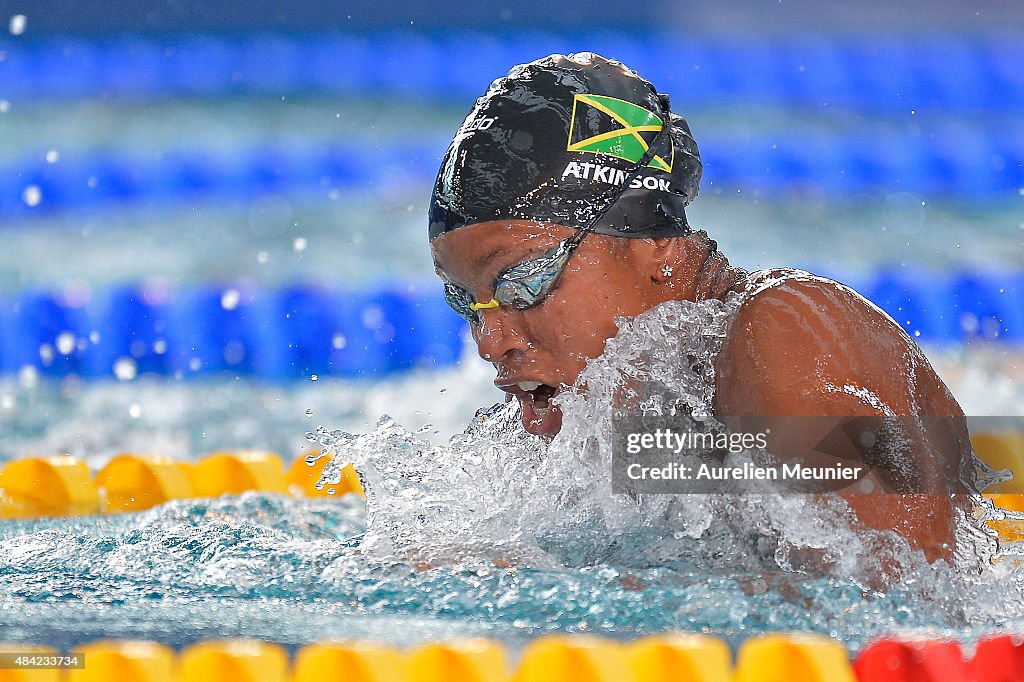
(489, 258)
(498, 251)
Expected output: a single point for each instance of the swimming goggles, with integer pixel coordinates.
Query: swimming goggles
(529, 282)
(522, 286)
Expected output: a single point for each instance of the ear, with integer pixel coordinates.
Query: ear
(662, 258)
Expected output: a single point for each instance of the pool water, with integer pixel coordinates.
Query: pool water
(449, 548)
(288, 571)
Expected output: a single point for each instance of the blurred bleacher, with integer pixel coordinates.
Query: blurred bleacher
(227, 103)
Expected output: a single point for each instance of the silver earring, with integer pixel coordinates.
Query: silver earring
(666, 271)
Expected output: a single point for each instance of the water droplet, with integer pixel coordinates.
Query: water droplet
(32, 195)
(309, 413)
(134, 410)
(969, 323)
(137, 348)
(5, 106)
(262, 257)
(28, 376)
(159, 346)
(338, 341)
(94, 336)
(300, 244)
(194, 364)
(234, 352)
(229, 299)
(372, 317)
(17, 24)
(66, 343)
(125, 369)
(313, 377)
(46, 354)
(52, 156)
(7, 401)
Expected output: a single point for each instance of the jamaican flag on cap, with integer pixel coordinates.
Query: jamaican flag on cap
(608, 125)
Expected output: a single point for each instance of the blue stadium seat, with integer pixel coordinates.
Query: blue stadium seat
(358, 325)
(884, 162)
(225, 333)
(724, 162)
(470, 61)
(270, 64)
(201, 65)
(988, 306)
(41, 318)
(1002, 57)
(684, 69)
(131, 322)
(185, 175)
(341, 64)
(878, 74)
(267, 170)
(748, 71)
(948, 73)
(66, 67)
(917, 302)
(132, 68)
(17, 71)
(959, 163)
(407, 65)
(811, 158)
(51, 182)
(343, 166)
(436, 326)
(1010, 151)
(117, 179)
(309, 322)
(812, 71)
(14, 353)
(873, 72)
(390, 317)
(196, 343)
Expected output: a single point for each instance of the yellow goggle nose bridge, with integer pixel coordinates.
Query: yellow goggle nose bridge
(493, 303)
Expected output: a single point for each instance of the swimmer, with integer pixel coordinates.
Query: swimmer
(560, 206)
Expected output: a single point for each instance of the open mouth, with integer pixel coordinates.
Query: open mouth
(535, 399)
(539, 394)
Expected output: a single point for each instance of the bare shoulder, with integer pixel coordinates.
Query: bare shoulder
(813, 310)
(803, 342)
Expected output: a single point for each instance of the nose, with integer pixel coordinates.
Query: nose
(497, 336)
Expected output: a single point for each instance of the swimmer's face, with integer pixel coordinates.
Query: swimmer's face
(550, 343)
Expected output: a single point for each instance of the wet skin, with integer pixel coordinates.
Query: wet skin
(800, 346)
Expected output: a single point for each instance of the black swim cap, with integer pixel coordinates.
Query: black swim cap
(559, 140)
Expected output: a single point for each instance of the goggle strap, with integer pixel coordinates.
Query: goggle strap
(618, 191)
